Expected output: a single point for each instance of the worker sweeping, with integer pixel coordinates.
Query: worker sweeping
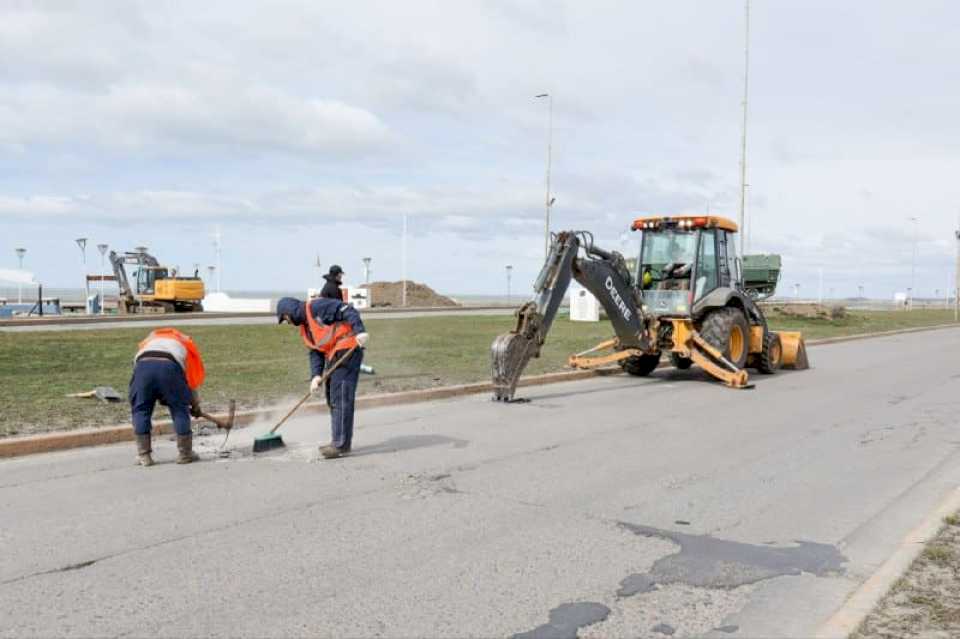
(167, 368)
(331, 330)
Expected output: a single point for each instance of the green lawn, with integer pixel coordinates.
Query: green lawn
(257, 365)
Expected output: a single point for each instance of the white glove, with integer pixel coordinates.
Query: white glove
(362, 339)
(315, 383)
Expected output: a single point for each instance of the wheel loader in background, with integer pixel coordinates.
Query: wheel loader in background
(687, 297)
(157, 289)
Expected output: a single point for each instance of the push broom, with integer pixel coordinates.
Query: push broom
(272, 439)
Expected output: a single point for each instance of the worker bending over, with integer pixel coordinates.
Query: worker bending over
(329, 329)
(168, 368)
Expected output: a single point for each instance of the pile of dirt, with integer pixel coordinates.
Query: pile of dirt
(807, 311)
(391, 294)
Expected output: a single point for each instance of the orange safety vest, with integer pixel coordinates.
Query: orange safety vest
(326, 339)
(194, 371)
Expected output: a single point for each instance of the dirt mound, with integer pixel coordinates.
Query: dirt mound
(391, 294)
(808, 311)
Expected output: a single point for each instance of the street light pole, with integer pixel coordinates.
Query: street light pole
(743, 139)
(548, 200)
(366, 270)
(20, 253)
(956, 280)
(103, 252)
(509, 273)
(913, 264)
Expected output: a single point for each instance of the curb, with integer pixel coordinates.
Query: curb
(852, 613)
(61, 320)
(81, 438)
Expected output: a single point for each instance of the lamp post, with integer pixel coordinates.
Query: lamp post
(796, 291)
(548, 200)
(366, 269)
(103, 252)
(20, 253)
(913, 264)
(743, 140)
(82, 243)
(509, 273)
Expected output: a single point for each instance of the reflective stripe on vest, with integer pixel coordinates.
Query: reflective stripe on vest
(193, 367)
(326, 339)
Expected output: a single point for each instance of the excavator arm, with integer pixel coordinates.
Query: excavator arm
(572, 255)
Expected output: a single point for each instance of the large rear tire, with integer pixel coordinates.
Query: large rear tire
(771, 357)
(640, 365)
(679, 362)
(727, 330)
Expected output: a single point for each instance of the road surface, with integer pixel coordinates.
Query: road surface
(85, 324)
(615, 507)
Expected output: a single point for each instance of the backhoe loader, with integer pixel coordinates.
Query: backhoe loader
(686, 297)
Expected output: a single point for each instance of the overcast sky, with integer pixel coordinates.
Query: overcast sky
(310, 128)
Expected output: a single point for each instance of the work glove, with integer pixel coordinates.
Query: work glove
(315, 383)
(195, 406)
(362, 339)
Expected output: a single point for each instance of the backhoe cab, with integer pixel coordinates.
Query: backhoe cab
(686, 297)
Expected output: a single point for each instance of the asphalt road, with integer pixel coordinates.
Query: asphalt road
(213, 320)
(609, 507)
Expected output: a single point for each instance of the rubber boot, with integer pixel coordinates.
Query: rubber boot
(185, 446)
(143, 450)
(330, 451)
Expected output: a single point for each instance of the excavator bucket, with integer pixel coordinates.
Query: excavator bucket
(794, 350)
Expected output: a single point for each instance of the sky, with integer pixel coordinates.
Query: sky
(307, 130)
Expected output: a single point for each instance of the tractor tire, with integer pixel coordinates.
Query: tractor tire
(640, 365)
(771, 357)
(727, 330)
(679, 362)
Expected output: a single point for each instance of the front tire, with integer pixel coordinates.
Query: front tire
(728, 331)
(771, 357)
(640, 365)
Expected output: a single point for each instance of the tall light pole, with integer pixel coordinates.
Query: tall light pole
(796, 291)
(956, 279)
(548, 200)
(743, 139)
(366, 269)
(509, 273)
(210, 271)
(403, 262)
(913, 264)
(82, 243)
(103, 252)
(20, 253)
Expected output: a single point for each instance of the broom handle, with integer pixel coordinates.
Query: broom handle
(326, 374)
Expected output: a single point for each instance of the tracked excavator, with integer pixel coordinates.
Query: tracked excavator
(155, 288)
(685, 297)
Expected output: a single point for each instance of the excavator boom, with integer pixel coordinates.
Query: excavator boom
(601, 272)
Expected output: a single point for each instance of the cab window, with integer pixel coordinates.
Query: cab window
(707, 272)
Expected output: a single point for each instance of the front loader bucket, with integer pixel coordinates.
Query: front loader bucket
(794, 350)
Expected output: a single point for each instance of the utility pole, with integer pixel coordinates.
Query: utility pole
(366, 269)
(509, 273)
(743, 140)
(103, 253)
(548, 199)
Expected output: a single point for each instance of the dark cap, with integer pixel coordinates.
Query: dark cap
(287, 306)
(336, 270)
